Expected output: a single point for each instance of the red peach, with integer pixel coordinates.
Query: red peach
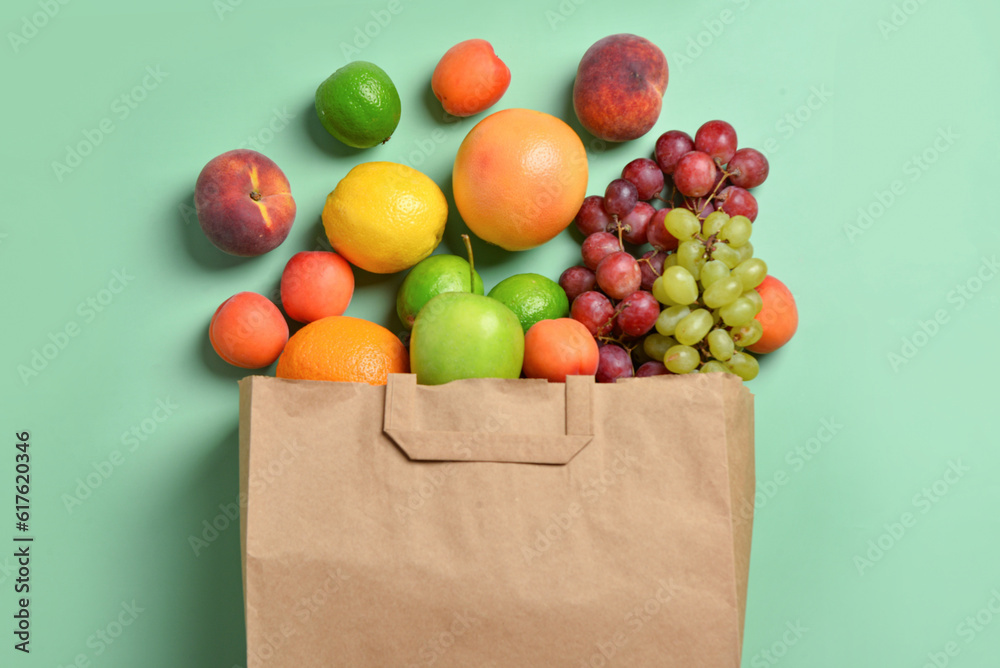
(248, 331)
(316, 284)
(554, 349)
(469, 78)
(779, 316)
(619, 87)
(244, 203)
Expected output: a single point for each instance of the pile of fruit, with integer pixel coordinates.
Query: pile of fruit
(698, 286)
(669, 282)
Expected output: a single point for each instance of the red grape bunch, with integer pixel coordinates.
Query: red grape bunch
(689, 302)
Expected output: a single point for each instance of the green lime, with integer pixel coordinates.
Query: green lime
(532, 297)
(358, 104)
(429, 278)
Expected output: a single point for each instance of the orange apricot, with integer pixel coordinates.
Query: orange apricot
(779, 317)
(470, 78)
(554, 349)
(248, 331)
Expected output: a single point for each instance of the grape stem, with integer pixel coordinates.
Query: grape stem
(618, 224)
(725, 175)
(646, 260)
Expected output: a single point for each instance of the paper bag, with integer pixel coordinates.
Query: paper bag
(502, 523)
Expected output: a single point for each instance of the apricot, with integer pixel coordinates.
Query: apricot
(316, 284)
(470, 78)
(554, 349)
(779, 316)
(248, 331)
(244, 203)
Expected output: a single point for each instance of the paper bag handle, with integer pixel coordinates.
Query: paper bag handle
(483, 445)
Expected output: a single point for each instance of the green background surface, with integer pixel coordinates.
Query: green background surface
(850, 100)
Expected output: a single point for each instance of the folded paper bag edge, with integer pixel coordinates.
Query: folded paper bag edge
(484, 445)
(456, 446)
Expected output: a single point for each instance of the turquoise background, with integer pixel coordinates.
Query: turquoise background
(841, 575)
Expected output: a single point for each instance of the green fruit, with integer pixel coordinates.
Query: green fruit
(429, 278)
(358, 104)
(532, 297)
(461, 335)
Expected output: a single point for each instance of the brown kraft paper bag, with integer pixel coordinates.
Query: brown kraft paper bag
(496, 523)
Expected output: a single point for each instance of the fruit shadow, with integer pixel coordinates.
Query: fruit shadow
(436, 111)
(224, 370)
(198, 247)
(208, 595)
(323, 139)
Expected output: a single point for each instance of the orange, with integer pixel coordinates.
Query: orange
(343, 348)
(519, 178)
(554, 349)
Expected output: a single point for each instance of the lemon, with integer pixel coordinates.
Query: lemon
(359, 105)
(532, 297)
(385, 217)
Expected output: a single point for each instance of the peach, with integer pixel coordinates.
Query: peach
(469, 78)
(244, 203)
(554, 349)
(316, 284)
(779, 316)
(619, 87)
(248, 331)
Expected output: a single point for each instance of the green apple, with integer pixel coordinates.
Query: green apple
(463, 335)
(429, 278)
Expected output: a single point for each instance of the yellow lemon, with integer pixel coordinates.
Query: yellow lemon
(385, 217)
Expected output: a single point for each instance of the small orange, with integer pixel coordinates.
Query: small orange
(343, 348)
(519, 178)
